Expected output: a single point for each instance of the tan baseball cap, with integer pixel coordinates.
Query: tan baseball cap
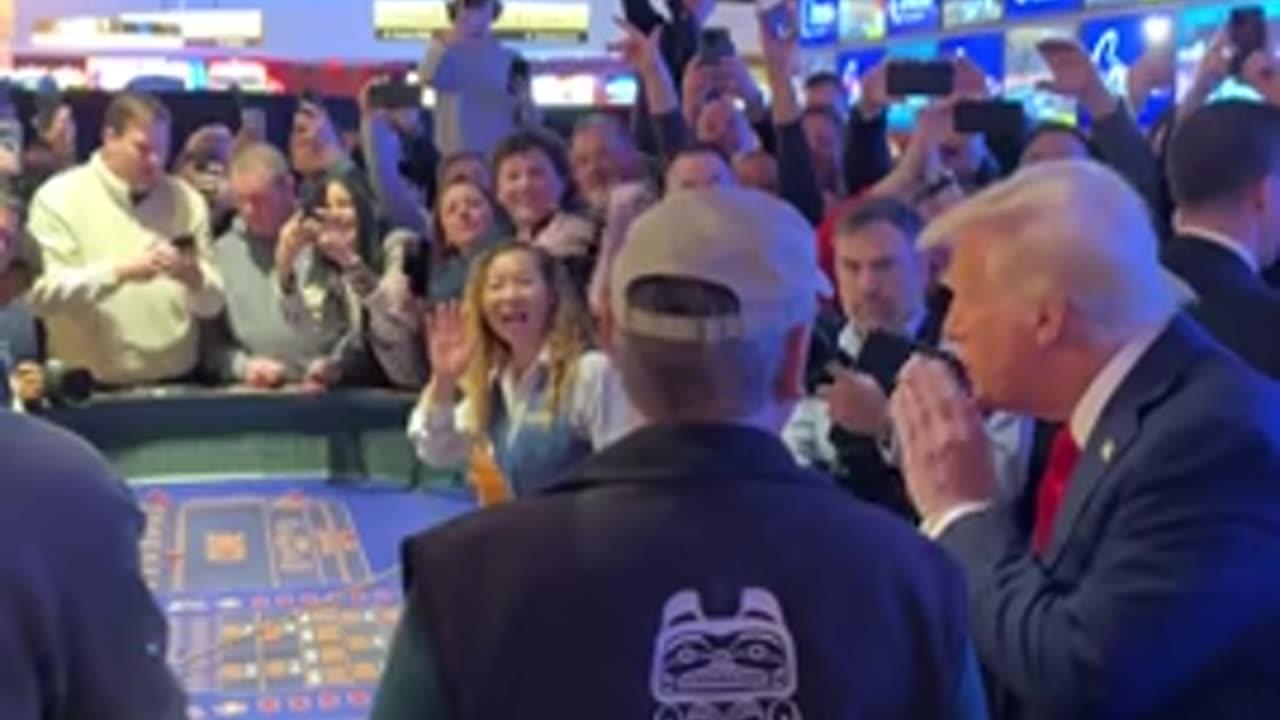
(746, 241)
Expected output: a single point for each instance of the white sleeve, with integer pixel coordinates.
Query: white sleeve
(807, 433)
(600, 409)
(67, 283)
(438, 434)
(208, 300)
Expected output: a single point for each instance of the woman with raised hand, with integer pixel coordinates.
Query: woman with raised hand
(514, 379)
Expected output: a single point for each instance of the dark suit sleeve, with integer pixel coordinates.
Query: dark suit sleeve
(671, 134)
(866, 152)
(1121, 145)
(1193, 532)
(796, 180)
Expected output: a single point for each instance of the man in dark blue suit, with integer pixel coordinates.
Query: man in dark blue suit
(1149, 587)
(1224, 170)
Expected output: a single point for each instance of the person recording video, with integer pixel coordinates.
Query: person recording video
(125, 248)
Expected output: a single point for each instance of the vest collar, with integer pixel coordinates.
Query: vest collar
(694, 452)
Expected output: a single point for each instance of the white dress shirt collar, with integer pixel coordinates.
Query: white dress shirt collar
(851, 338)
(1213, 237)
(1089, 409)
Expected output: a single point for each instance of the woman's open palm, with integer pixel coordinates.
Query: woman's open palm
(447, 342)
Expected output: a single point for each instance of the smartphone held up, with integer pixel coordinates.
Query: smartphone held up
(1247, 30)
(934, 78)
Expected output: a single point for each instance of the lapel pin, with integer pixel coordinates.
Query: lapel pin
(1108, 449)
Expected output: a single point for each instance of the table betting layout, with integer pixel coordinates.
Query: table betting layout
(281, 595)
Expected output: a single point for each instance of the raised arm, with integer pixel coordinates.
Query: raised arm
(796, 178)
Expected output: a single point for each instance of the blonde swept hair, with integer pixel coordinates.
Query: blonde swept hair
(1074, 227)
(567, 336)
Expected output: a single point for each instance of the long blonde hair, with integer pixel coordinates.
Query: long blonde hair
(568, 334)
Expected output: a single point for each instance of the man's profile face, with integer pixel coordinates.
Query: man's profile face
(881, 278)
(990, 328)
(138, 153)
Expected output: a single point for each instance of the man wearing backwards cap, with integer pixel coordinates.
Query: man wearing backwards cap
(692, 569)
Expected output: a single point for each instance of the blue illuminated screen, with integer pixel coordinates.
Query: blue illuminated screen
(985, 50)
(1116, 43)
(1018, 8)
(958, 13)
(862, 20)
(904, 16)
(819, 21)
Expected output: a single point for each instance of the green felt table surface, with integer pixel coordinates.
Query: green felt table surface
(193, 432)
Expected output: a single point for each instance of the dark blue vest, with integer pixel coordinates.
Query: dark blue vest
(689, 571)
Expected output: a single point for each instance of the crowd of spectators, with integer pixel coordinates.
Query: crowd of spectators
(1018, 271)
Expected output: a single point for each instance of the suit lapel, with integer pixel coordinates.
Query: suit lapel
(1156, 374)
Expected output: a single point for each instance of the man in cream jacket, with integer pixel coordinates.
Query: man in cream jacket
(126, 255)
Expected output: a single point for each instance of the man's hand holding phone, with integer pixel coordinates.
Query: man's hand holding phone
(147, 264)
(180, 260)
(300, 231)
(856, 403)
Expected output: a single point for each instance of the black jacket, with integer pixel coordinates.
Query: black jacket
(1235, 304)
(686, 571)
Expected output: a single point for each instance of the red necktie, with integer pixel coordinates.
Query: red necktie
(1053, 487)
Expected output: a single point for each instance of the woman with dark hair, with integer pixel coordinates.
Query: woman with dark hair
(328, 265)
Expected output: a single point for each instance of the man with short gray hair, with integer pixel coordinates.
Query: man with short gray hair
(1148, 587)
(254, 342)
(692, 569)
